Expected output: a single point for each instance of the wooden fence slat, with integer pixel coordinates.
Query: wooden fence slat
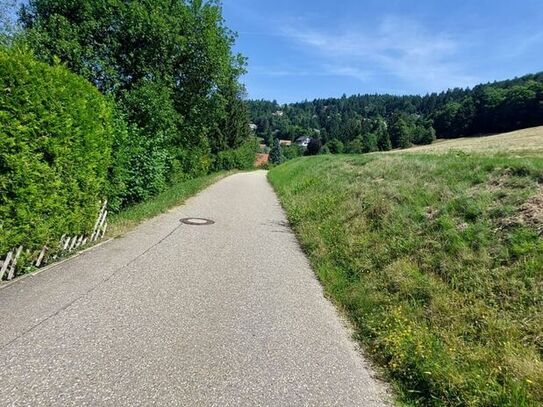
(72, 245)
(11, 272)
(104, 229)
(101, 221)
(66, 243)
(98, 222)
(41, 256)
(5, 266)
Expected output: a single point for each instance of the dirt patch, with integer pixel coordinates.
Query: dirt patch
(499, 181)
(532, 211)
(530, 214)
(261, 160)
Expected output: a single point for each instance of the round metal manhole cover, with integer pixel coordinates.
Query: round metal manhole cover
(197, 221)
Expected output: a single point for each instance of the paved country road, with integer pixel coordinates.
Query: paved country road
(228, 314)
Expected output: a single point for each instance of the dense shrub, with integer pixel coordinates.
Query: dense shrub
(314, 147)
(276, 152)
(292, 151)
(242, 157)
(335, 146)
(55, 147)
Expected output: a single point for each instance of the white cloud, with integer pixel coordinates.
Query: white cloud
(397, 47)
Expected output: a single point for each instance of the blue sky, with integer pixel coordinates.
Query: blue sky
(305, 49)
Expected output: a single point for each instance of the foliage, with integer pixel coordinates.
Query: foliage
(276, 153)
(380, 122)
(170, 68)
(55, 146)
(438, 264)
(335, 146)
(314, 146)
(241, 158)
(292, 151)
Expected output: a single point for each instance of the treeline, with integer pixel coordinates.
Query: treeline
(365, 123)
(113, 100)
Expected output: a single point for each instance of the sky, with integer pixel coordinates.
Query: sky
(307, 49)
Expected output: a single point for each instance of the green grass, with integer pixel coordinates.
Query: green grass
(174, 195)
(436, 261)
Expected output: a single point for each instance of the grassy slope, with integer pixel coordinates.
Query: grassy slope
(526, 140)
(173, 196)
(437, 260)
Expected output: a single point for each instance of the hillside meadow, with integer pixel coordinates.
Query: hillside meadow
(526, 140)
(437, 259)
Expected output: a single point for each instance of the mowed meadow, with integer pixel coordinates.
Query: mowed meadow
(436, 257)
(525, 140)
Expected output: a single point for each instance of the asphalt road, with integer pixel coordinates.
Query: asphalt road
(223, 315)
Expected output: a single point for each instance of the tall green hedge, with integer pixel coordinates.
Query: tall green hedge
(55, 150)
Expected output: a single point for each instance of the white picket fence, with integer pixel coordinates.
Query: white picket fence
(68, 244)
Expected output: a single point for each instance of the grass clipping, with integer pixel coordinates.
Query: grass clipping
(438, 261)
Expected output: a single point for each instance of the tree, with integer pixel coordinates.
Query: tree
(400, 135)
(314, 146)
(383, 139)
(355, 146)
(335, 146)
(423, 132)
(168, 64)
(369, 142)
(268, 138)
(488, 108)
(292, 151)
(276, 153)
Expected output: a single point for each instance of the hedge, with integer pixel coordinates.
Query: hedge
(242, 158)
(55, 150)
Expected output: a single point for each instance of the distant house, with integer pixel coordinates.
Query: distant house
(285, 142)
(303, 141)
(253, 126)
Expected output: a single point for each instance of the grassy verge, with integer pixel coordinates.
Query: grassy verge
(175, 195)
(437, 260)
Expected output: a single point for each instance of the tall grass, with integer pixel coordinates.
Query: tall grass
(437, 263)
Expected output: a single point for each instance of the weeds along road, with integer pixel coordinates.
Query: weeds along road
(172, 314)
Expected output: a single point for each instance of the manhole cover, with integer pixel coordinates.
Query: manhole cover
(197, 221)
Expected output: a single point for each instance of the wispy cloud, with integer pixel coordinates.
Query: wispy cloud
(324, 70)
(398, 47)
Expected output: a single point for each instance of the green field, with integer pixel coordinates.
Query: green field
(437, 259)
(520, 141)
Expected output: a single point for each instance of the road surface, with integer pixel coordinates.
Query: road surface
(228, 314)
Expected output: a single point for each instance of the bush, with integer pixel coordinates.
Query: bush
(276, 153)
(335, 146)
(292, 151)
(241, 158)
(55, 147)
(314, 147)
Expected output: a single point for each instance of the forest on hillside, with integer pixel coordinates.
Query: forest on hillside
(365, 123)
